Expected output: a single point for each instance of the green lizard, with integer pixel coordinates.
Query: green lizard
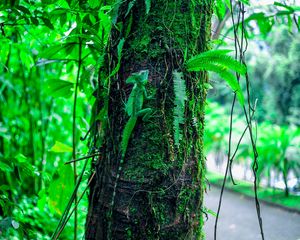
(134, 109)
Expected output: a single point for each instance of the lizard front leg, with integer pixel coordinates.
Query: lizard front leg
(146, 94)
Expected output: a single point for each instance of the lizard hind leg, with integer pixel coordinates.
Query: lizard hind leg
(146, 113)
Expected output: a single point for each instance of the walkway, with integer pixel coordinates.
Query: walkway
(238, 219)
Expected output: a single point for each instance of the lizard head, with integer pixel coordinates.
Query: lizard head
(140, 78)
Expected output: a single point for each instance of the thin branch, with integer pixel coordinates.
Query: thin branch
(75, 207)
(82, 158)
(74, 135)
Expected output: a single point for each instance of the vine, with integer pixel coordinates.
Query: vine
(249, 110)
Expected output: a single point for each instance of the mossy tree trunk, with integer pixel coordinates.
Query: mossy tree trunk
(160, 190)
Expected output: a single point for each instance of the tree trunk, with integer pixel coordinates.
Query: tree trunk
(160, 189)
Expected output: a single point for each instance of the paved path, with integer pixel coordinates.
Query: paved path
(238, 219)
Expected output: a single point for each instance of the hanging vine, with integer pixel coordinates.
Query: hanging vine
(241, 44)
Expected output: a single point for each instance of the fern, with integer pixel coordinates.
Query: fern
(131, 4)
(148, 6)
(180, 98)
(219, 62)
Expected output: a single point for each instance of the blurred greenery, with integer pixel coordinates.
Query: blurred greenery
(270, 195)
(278, 145)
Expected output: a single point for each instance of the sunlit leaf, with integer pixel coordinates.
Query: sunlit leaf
(61, 189)
(5, 167)
(59, 88)
(247, 2)
(209, 211)
(60, 147)
(94, 3)
(220, 9)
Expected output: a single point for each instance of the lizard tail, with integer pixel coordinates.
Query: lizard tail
(124, 143)
(112, 203)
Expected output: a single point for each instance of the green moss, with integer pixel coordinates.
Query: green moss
(161, 183)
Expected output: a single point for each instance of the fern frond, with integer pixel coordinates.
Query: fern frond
(219, 62)
(180, 98)
(234, 85)
(148, 6)
(217, 57)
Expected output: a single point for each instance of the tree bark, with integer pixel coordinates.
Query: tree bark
(160, 190)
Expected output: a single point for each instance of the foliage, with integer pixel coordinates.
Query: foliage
(275, 84)
(278, 146)
(270, 195)
(36, 91)
(219, 62)
(179, 110)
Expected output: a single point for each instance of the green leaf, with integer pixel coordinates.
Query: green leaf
(120, 48)
(24, 168)
(209, 211)
(60, 147)
(265, 25)
(5, 167)
(227, 3)
(220, 9)
(26, 59)
(106, 8)
(129, 25)
(47, 22)
(115, 11)
(245, 2)
(94, 3)
(61, 189)
(51, 51)
(21, 158)
(42, 200)
(59, 88)
(23, 9)
(234, 85)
